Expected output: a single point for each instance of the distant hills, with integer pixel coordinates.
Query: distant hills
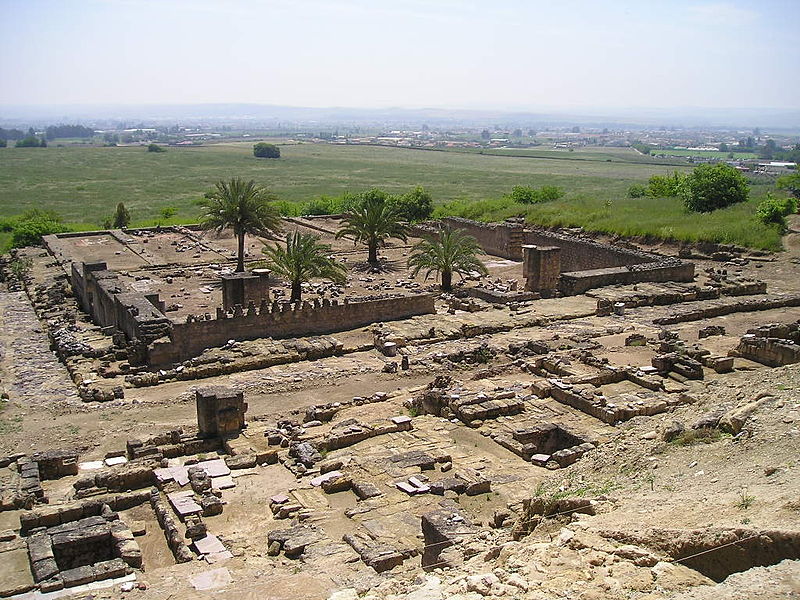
(254, 115)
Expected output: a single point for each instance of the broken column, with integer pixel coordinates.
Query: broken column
(541, 267)
(220, 411)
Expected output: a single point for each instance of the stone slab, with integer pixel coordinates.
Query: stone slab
(91, 465)
(183, 503)
(15, 573)
(217, 557)
(115, 460)
(214, 468)
(211, 580)
(318, 481)
(209, 545)
(222, 483)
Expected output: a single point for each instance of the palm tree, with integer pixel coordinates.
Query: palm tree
(452, 252)
(372, 222)
(303, 259)
(242, 206)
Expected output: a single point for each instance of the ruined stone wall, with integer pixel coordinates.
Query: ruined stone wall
(109, 302)
(581, 254)
(498, 239)
(669, 269)
(284, 320)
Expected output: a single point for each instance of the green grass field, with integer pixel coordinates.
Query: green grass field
(84, 184)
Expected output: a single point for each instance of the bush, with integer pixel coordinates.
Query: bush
(773, 211)
(155, 148)
(288, 209)
(666, 186)
(30, 142)
(550, 192)
(265, 150)
(524, 194)
(324, 205)
(790, 182)
(710, 187)
(3, 143)
(168, 212)
(416, 205)
(637, 190)
(30, 227)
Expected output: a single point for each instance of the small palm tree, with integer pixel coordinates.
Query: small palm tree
(242, 206)
(303, 259)
(372, 222)
(452, 252)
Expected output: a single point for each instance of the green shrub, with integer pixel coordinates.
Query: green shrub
(155, 148)
(416, 205)
(710, 187)
(30, 227)
(324, 205)
(288, 209)
(265, 150)
(30, 142)
(666, 186)
(524, 194)
(637, 190)
(773, 211)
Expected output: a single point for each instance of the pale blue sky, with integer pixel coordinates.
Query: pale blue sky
(508, 54)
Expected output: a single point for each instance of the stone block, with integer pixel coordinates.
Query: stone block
(220, 411)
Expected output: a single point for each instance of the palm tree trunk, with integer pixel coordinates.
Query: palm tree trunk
(240, 258)
(447, 281)
(296, 291)
(373, 253)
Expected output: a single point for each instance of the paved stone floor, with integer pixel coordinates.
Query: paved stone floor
(31, 371)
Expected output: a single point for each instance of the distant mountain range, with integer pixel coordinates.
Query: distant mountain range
(254, 115)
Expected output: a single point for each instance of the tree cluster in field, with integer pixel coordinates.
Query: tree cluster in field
(773, 211)
(524, 194)
(53, 132)
(28, 229)
(413, 206)
(265, 150)
(155, 148)
(11, 134)
(31, 141)
(706, 188)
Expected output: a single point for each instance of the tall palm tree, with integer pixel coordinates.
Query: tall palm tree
(372, 222)
(303, 259)
(242, 206)
(452, 252)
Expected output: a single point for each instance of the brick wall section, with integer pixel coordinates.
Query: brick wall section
(106, 298)
(278, 321)
(498, 239)
(581, 254)
(669, 269)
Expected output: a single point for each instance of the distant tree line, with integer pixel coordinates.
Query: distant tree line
(53, 132)
(11, 134)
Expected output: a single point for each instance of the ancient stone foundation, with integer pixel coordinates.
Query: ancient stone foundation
(220, 411)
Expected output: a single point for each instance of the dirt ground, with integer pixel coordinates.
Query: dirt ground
(643, 488)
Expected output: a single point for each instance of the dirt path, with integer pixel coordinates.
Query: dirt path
(32, 373)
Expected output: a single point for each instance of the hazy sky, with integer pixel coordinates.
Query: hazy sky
(509, 54)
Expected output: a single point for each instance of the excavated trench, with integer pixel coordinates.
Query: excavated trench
(719, 552)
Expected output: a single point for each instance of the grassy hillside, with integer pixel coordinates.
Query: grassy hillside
(84, 184)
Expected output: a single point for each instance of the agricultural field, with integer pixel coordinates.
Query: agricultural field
(706, 153)
(84, 184)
